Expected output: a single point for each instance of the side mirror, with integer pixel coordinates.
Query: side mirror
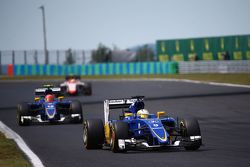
(128, 114)
(160, 113)
(60, 98)
(37, 98)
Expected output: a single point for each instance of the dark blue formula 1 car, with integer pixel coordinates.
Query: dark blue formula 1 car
(49, 106)
(137, 129)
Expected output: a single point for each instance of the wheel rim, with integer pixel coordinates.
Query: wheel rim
(85, 137)
(112, 141)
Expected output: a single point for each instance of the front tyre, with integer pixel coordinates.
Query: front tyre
(93, 134)
(22, 110)
(76, 112)
(119, 130)
(191, 131)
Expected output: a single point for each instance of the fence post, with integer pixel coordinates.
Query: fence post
(0, 62)
(47, 57)
(57, 57)
(13, 57)
(83, 57)
(65, 55)
(25, 57)
(35, 57)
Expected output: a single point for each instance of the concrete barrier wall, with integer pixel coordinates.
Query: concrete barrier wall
(241, 66)
(142, 68)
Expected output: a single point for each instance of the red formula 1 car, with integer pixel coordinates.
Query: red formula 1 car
(74, 86)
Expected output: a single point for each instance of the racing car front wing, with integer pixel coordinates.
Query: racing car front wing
(38, 119)
(142, 144)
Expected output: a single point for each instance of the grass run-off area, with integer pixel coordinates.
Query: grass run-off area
(237, 78)
(10, 155)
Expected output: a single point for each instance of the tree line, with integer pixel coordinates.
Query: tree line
(103, 54)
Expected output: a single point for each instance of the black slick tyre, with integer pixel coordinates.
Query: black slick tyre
(76, 108)
(88, 89)
(22, 110)
(191, 128)
(119, 130)
(93, 134)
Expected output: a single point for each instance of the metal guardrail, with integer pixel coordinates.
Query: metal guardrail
(240, 66)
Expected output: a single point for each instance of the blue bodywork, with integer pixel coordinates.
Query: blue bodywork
(153, 130)
(50, 111)
(49, 106)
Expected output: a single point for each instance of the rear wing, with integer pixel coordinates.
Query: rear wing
(116, 104)
(42, 91)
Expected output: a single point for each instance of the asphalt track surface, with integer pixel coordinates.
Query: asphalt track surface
(223, 113)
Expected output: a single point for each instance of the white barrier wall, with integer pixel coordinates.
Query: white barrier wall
(230, 66)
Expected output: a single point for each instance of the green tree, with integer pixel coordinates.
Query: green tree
(102, 54)
(70, 58)
(145, 53)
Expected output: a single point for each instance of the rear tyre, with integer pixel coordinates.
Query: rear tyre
(22, 110)
(88, 89)
(93, 134)
(119, 130)
(76, 108)
(191, 128)
(64, 90)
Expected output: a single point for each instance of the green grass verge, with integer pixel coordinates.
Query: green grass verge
(10, 154)
(238, 78)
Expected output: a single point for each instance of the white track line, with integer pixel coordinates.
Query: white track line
(176, 80)
(199, 82)
(10, 134)
(214, 83)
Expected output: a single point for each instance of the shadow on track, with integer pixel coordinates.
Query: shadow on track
(162, 98)
(169, 150)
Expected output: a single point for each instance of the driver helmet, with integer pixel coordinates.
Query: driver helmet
(143, 113)
(72, 80)
(49, 98)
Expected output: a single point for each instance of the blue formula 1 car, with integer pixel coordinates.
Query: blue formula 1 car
(137, 129)
(49, 106)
